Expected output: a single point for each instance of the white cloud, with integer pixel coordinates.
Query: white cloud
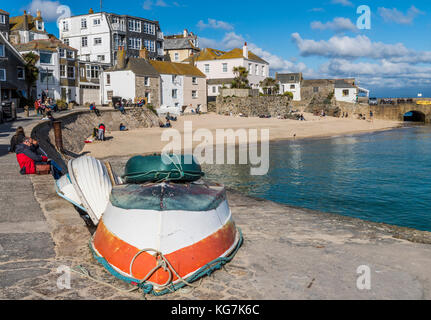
(337, 25)
(394, 15)
(47, 8)
(215, 24)
(345, 3)
(148, 4)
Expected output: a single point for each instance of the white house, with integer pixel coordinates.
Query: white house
(290, 82)
(218, 67)
(344, 91)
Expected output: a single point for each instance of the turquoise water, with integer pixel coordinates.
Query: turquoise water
(381, 177)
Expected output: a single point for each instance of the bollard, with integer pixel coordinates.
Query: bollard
(58, 135)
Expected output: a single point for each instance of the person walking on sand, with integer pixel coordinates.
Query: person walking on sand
(371, 115)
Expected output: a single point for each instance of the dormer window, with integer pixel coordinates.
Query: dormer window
(2, 19)
(39, 25)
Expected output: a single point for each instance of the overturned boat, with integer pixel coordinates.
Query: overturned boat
(160, 226)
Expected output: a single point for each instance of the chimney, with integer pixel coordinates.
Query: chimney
(245, 51)
(38, 14)
(121, 58)
(91, 11)
(25, 20)
(143, 53)
(185, 33)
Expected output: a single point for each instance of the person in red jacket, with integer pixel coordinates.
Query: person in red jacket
(27, 158)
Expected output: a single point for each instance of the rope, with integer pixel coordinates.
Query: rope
(168, 287)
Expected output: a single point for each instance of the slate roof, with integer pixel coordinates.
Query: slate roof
(17, 23)
(287, 77)
(43, 44)
(138, 66)
(343, 84)
(178, 43)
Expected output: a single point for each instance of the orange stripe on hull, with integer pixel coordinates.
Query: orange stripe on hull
(119, 253)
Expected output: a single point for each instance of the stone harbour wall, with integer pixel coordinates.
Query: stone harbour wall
(253, 106)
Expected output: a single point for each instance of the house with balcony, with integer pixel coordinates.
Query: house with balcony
(26, 28)
(218, 67)
(179, 47)
(98, 36)
(290, 82)
(58, 69)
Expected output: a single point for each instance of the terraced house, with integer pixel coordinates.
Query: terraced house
(98, 36)
(179, 47)
(218, 67)
(58, 67)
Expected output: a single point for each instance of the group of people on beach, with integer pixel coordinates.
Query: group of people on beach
(29, 154)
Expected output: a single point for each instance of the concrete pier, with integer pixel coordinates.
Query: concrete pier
(288, 253)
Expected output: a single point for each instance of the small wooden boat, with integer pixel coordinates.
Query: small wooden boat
(159, 235)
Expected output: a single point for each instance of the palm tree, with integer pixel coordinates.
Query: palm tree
(31, 71)
(270, 86)
(241, 78)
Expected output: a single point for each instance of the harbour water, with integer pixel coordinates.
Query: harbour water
(380, 177)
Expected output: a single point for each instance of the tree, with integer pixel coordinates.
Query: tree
(241, 78)
(31, 71)
(270, 86)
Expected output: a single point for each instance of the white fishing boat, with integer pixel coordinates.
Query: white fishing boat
(153, 234)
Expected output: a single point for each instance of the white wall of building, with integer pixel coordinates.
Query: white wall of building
(122, 84)
(341, 94)
(169, 103)
(295, 88)
(75, 33)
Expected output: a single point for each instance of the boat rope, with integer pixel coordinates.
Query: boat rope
(169, 286)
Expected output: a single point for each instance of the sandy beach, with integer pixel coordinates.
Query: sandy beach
(148, 140)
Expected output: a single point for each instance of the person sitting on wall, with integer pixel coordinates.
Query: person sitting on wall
(93, 108)
(17, 139)
(121, 108)
(27, 158)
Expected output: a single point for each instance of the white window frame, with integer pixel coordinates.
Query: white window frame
(73, 68)
(108, 79)
(207, 68)
(83, 23)
(66, 41)
(82, 42)
(50, 62)
(23, 73)
(224, 67)
(101, 57)
(147, 81)
(3, 51)
(98, 41)
(2, 74)
(63, 73)
(62, 53)
(39, 25)
(176, 56)
(2, 19)
(257, 69)
(71, 53)
(96, 22)
(174, 93)
(194, 80)
(65, 26)
(194, 94)
(214, 89)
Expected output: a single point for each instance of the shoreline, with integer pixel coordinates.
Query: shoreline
(280, 130)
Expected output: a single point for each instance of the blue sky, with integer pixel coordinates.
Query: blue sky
(318, 38)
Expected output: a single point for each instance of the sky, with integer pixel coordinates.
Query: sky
(386, 47)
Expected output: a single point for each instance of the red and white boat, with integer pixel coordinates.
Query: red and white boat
(160, 234)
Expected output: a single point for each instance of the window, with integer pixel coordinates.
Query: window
(149, 28)
(2, 53)
(224, 67)
(135, 25)
(82, 72)
(70, 54)
(214, 89)
(65, 26)
(101, 58)
(71, 72)
(194, 94)
(39, 25)
(84, 41)
(346, 93)
(66, 41)
(62, 71)
(2, 75)
(147, 81)
(174, 93)
(257, 70)
(292, 86)
(207, 68)
(45, 57)
(292, 78)
(97, 41)
(46, 76)
(2, 19)
(20, 73)
(174, 78)
(250, 68)
(177, 56)
(83, 23)
(149, 45)
(96, 22)
(263, 70)
(62, 53)
(315, 89)
(108, 79)
(92, 72)
(135, 43)
(195, 80)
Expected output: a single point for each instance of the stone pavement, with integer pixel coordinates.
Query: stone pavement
(288, 253)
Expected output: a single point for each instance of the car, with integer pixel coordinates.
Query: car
(373, 101)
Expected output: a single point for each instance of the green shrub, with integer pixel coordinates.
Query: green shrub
(151, 108)
(61, 104)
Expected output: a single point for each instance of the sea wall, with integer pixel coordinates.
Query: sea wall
(253, 106)
(79, 125)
